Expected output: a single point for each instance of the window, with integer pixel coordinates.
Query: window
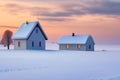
(36, 30)
(89, 46)
(67, 46)
(32, 44)
(18, 43)
(78, 46)
(39, 44)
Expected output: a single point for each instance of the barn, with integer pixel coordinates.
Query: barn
(76, 42)
(30, 36)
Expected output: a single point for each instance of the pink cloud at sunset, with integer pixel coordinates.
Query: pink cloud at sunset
(99, 18)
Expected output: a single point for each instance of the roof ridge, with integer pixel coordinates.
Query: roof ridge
(25, 30)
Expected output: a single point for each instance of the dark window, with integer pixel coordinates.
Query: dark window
(89, 46)
(32, 44)
(19, 44)
(39, 44)
(36, 30)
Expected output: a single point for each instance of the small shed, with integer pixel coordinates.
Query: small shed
(76, 42)
(29, 36)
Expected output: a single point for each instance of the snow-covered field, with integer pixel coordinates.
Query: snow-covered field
(52, 64)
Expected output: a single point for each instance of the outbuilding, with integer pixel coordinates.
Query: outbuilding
(30, 36)
(76, 42)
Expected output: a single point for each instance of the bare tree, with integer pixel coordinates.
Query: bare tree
(7, 38)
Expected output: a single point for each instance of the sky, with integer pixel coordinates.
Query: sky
(98, 18)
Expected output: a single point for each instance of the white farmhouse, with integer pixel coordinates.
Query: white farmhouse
(76, 42)
(29, 36)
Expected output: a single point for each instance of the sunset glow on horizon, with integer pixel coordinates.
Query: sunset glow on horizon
(98, 18)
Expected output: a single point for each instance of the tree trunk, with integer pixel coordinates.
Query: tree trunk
(8, 42)
(8, 46)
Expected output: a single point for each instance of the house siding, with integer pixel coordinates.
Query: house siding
(22, 44)
(36, 38)
(72, 47)
(90, 42)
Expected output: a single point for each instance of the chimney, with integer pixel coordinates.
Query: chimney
(26, 22)
(73, 34)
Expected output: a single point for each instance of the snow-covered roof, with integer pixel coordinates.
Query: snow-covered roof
(77, 39)
(25, 30)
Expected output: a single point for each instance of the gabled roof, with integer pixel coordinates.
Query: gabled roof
(26, 29)
(77, 39)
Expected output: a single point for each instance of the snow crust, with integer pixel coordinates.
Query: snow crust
(24, 31)
(77, 39)
(53, 64)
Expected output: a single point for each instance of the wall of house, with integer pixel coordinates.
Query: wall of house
(36, 38)
(22, 44)
(72, 47)
(90, 44)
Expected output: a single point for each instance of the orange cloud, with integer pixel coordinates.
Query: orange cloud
(66, 18)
